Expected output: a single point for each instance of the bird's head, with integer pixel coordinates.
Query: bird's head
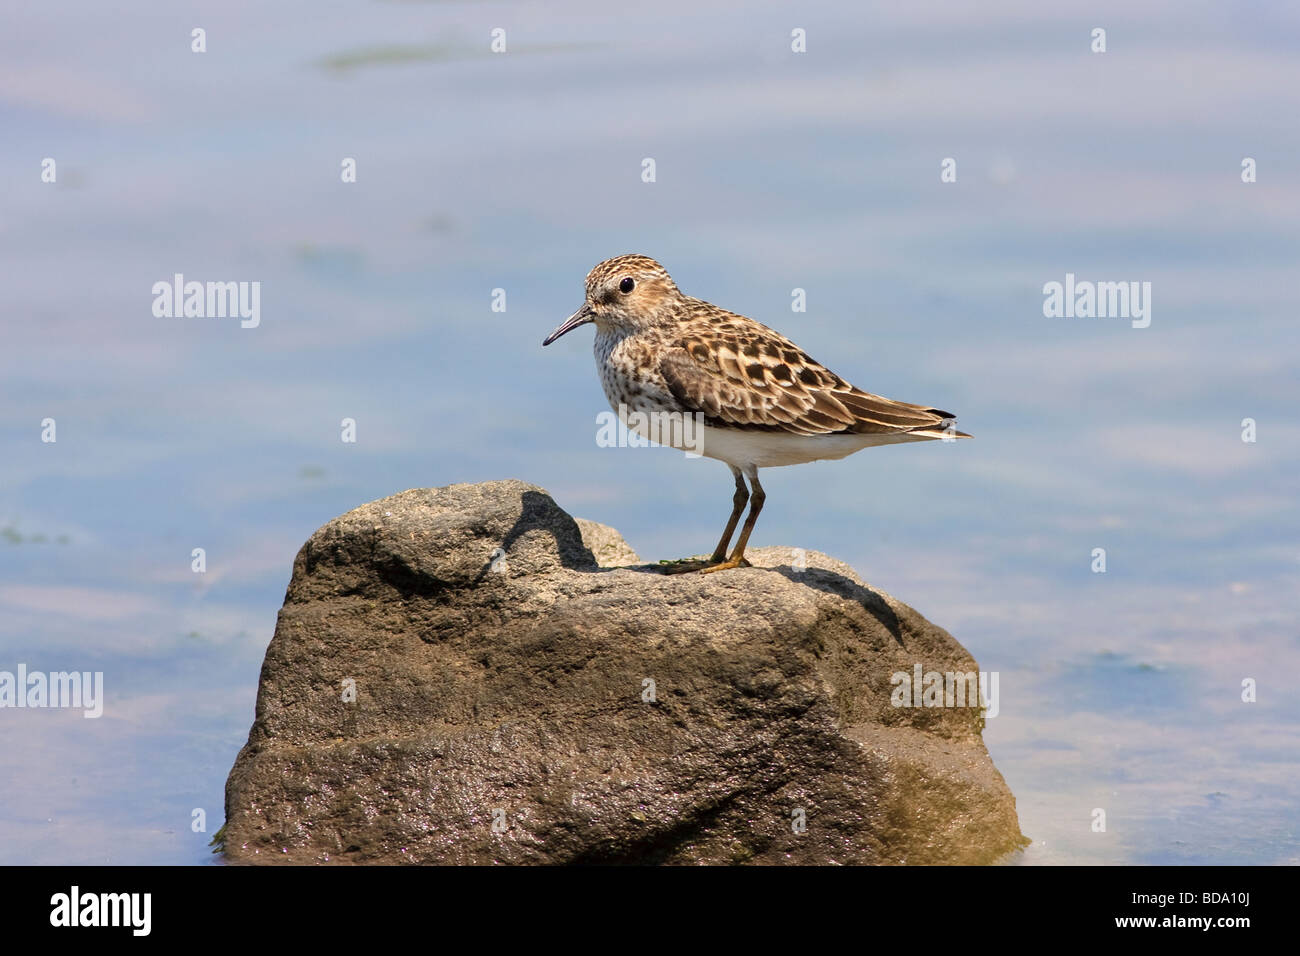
(627, 292)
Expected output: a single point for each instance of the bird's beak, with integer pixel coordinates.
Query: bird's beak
(581, 317)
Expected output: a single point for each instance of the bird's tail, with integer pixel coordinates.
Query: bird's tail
(945, 430)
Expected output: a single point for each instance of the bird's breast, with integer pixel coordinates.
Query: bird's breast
(628, 374)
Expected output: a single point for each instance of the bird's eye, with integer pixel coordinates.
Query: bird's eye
(627, 285)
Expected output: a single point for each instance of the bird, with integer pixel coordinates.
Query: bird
(759, 400)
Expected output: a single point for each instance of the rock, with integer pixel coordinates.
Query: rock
(608, 546)
(519, 700)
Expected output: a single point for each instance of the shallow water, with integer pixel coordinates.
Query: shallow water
(1118, 690)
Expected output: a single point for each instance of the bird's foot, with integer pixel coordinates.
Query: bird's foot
(732, 562)
(684, 565)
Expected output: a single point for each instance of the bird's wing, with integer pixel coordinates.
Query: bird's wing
(748, 376)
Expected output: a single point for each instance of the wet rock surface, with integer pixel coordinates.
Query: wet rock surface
(464, 675)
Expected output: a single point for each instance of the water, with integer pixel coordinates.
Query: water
(774, 171)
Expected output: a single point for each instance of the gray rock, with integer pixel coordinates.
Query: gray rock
(502, 712)
(608, 546)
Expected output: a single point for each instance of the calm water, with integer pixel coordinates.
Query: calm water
(774, 171)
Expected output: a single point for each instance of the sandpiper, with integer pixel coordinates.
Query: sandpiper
(762, 400)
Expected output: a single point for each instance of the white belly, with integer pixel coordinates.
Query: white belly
(752, 449)
(763, 449)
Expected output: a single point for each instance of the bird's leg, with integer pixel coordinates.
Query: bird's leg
(737, 559)
(737, 508)
(720, 552)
